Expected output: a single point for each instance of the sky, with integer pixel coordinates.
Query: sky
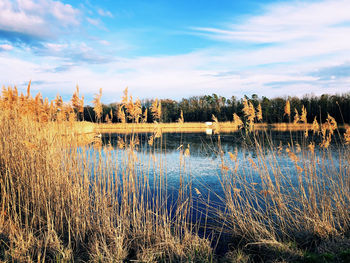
(175, 49)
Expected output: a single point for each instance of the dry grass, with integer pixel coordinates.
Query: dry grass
(58, 203)
(61, 200)
(268, 205)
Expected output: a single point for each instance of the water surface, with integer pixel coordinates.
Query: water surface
(210, 163)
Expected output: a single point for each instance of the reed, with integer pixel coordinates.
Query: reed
(60, 201)
(65, 196)
(277, 213)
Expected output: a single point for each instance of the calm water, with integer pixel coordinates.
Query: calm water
(202, 169)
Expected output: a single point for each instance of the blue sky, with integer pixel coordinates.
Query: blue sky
(176, 49)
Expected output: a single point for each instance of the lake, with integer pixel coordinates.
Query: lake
(232, 158)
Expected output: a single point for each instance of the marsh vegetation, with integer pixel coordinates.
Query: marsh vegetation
(68, 195)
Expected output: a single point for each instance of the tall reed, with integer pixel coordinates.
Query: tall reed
(60, 201)
(306, 201)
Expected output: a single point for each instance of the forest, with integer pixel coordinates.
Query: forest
(202, 108)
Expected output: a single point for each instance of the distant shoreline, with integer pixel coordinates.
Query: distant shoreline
(194, 127)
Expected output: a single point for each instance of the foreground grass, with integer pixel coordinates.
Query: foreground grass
(62, 201)
(61, 204)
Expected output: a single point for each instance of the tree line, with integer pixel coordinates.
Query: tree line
(202, 108)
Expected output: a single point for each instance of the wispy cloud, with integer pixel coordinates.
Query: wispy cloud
(289, 41)
(93, 21)
(285, 22)
(292, 31)
(106, 13)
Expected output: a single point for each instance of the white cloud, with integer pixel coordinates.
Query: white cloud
(40, 18)
(6, 47)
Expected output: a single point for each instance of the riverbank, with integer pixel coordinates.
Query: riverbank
(192, 127)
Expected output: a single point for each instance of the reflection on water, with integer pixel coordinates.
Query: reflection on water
(204, 145)
(231, 156)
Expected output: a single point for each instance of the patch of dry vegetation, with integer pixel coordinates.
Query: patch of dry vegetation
(58, 203)
(62, 201)
(269, 212)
